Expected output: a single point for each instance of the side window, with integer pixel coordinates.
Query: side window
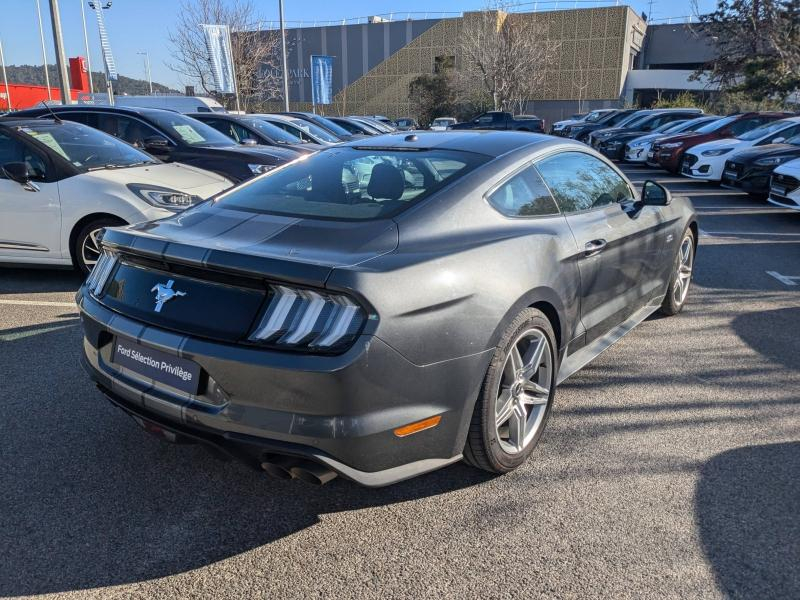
(125, 128)
(224, 127)
(524, 195)
(485, 120)
(580, 182)
(240, 133)
(12, 150)
(785, 134)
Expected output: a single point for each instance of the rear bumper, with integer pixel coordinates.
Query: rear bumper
(339, 410)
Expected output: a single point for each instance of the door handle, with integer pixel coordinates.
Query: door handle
(594, 247)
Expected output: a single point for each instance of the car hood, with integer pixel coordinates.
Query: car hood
(567, 122)
(649, 137)
(175, 176)
(770, 150)
(291, 248)
(720, 144)
(790, 168)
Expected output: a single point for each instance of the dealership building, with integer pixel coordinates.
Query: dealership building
(606, 57)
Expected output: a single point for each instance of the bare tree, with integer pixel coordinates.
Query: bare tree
(506, 54)
(581, 81)
(256, 52)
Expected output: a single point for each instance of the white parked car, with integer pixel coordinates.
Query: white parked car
(707, 161)
(638, 149)
(784, 187)
(62, 182)
(442, 123)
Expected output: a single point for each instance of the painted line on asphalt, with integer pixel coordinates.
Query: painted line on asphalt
(18, 335)
(784, 279)
(736, 233)
(37, 303)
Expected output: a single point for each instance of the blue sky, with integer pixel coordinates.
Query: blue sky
(139, 25)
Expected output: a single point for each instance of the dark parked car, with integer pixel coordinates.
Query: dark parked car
(385, 307)
(669, 152)
(326, 123)
(174, 137)
(611, 141)
(750, 170)
(406, 124)
(245, 129)
(355, 126)
(581, 131)
(499, 120)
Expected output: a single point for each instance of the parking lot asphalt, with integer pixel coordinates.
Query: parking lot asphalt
(670, 467)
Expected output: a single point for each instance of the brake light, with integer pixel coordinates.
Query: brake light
(102, 269)
(308, 319)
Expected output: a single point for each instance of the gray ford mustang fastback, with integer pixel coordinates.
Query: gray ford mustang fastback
(386, 307)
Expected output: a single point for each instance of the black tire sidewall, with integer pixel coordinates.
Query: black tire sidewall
(498, 458)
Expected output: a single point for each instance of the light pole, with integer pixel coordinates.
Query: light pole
(86, 45)
(44, 53)
(5, 77)
(61, 60)
(283, 59)
(146, 55)
(108, 59)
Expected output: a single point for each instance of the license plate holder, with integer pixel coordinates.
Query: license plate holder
(162, 367)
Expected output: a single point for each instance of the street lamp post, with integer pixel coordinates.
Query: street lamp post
(5, 77)
(146, 55)
(86, 45)
(44, 52)
(283, 59)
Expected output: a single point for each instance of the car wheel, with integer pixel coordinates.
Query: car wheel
(516, 396)
(86, 250)
(681, 276)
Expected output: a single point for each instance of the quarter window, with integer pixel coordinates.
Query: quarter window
(580, 182)
(524, 195)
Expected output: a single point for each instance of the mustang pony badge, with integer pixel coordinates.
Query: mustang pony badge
(165, 293)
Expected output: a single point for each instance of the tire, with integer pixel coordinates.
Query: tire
(681, 277)
(497, 443)
(84, 250)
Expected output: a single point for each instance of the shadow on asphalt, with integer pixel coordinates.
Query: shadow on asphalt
(88, 499)
(747, 504)
(781, 344)
(19, 280)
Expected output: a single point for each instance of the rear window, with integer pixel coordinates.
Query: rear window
(352, 183)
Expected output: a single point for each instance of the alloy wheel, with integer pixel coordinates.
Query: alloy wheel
(683, 277)
(90, 251)
(523, 391)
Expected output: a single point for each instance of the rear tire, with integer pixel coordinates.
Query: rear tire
(516, 396)
(681, 279)
(86, 250)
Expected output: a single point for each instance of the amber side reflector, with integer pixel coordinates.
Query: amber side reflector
(418, 426)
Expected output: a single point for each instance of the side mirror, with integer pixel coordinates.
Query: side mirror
(156, 143)
(778, 140)
(17, 171)
(248, 142)
(655, 194)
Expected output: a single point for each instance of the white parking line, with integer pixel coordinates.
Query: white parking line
(735, 233)
(37, 303)
(784, 279)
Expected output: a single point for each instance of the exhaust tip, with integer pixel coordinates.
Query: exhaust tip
(313, 473)
(277, 466)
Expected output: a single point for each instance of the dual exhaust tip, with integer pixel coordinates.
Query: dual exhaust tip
(287, 467)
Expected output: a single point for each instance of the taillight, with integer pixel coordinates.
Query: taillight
(308, 319)
(102, 269)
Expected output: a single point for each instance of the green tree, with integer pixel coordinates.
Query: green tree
(432, 96)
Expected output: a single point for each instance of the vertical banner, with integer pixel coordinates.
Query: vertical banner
(218, 42)
(105, 45)
(321, 79)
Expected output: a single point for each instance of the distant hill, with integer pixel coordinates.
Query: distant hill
(34, 75)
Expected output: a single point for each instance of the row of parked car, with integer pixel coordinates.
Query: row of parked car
(756, 152)
(68, 172)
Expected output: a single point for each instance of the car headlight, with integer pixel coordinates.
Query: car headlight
(164, 197)
(717, 152)
(672, 145)
(775, 160)
(638, 144)
(260, 169)
(312, 320)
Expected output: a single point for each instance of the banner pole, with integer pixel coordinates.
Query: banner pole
(233, 68)
(313, 94)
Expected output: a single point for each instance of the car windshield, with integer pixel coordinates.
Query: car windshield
(717, 125)
(352, 183)
(695, 124)
(189, 131)
(671, 126)
(443, 122)
(635, 121)
(86, 148)
(763, 130)
(330, 125)
(593, 116)
(274, 132)
(314, 130)
(629, 119)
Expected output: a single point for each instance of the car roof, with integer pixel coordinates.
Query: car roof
(493, 143)
(12, 121)
(130, 110)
